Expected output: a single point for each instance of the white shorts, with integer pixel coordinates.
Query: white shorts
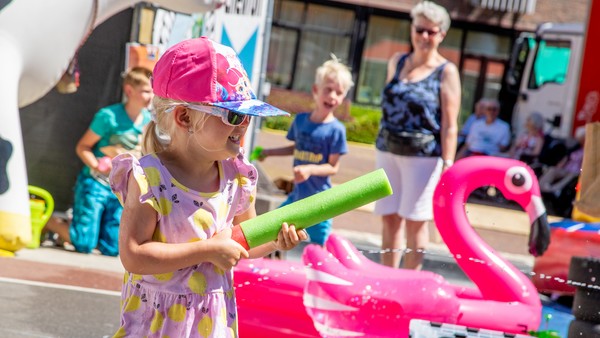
(413, 180)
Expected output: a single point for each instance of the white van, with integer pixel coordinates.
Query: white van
(544, 73)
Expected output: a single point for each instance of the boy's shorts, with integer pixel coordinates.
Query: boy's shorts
(317, 233)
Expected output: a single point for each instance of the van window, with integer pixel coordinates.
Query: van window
(518, 59)
(551, 63)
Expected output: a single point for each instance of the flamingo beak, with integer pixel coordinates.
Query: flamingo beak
(539, 235)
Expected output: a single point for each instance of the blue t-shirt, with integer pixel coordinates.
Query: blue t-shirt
(314, 143)
(114, 126)
(466, 128)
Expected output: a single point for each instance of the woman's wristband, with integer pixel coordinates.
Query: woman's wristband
(448, 163)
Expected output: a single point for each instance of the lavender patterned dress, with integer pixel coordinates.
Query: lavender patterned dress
(197, 301)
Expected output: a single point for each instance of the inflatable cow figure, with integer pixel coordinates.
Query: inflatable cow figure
(38, 40)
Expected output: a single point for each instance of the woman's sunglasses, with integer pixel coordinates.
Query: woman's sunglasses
(229, 117)
(421, 30)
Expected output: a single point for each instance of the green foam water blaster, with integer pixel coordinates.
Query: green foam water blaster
(255, 154)
(314, 209)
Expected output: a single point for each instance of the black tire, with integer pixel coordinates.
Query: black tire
(586, 305)
(584, 270)
(581, 329)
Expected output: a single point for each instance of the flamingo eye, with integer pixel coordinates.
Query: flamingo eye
(518, 180)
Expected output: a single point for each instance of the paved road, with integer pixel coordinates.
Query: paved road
(50, 292)
(32, 309)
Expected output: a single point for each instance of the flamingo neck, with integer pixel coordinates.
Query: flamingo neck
(495, 277)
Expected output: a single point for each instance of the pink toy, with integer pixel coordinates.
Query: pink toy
(269, 299)
(347, 295)
(104, 163)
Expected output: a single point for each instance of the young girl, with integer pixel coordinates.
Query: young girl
(182, 198)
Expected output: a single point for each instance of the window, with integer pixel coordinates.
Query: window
(482, 68)
(336, 19)
(316, 48)
(385, 37)
(281, 55)
(289, 12)
(487, 44)
(303, 36)
(520, 53)
(551, 63)
(450, 47)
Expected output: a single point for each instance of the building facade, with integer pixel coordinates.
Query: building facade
(366, 33)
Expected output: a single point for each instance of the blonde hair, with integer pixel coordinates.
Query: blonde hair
(337, 70)
(432, 12)
(137, 76)
(160, 130)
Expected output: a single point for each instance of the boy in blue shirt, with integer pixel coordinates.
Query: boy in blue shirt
(319, 140)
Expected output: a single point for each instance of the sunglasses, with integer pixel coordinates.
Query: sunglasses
(229, 117)
(421, 30)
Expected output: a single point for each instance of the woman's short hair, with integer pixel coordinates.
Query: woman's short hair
(537, 120)
(432, 12)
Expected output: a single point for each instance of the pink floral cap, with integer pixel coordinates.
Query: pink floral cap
(203, 71)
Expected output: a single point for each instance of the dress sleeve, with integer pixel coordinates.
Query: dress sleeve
(247, 178)
(123, 166)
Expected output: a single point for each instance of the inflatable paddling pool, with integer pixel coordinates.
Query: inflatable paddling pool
(568, 238)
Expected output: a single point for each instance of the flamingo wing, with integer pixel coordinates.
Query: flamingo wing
(338, 297)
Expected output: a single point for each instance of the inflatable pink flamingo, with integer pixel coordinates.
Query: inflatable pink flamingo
(348, 295)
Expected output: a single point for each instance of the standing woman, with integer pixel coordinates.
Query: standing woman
(418, 134)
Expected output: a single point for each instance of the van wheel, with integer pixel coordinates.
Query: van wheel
(581, 329)
(586, 305)
(584, 270)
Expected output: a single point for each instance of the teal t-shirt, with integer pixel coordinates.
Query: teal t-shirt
(114, 126)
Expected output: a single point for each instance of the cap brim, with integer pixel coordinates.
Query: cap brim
(251, 107)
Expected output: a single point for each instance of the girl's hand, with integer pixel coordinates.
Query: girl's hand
(288, 237)
(226, 251)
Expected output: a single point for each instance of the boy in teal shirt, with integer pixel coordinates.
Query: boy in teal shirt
(114, 129)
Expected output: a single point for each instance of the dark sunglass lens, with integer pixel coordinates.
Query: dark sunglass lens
(421, 30)
(235, 118)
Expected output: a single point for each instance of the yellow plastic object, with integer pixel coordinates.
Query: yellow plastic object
(42, 206)
(580, 216)
(6, 253)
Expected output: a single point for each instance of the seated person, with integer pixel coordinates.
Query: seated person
(489, 136)
(478, 114)
(529, 144)
(557, 177)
